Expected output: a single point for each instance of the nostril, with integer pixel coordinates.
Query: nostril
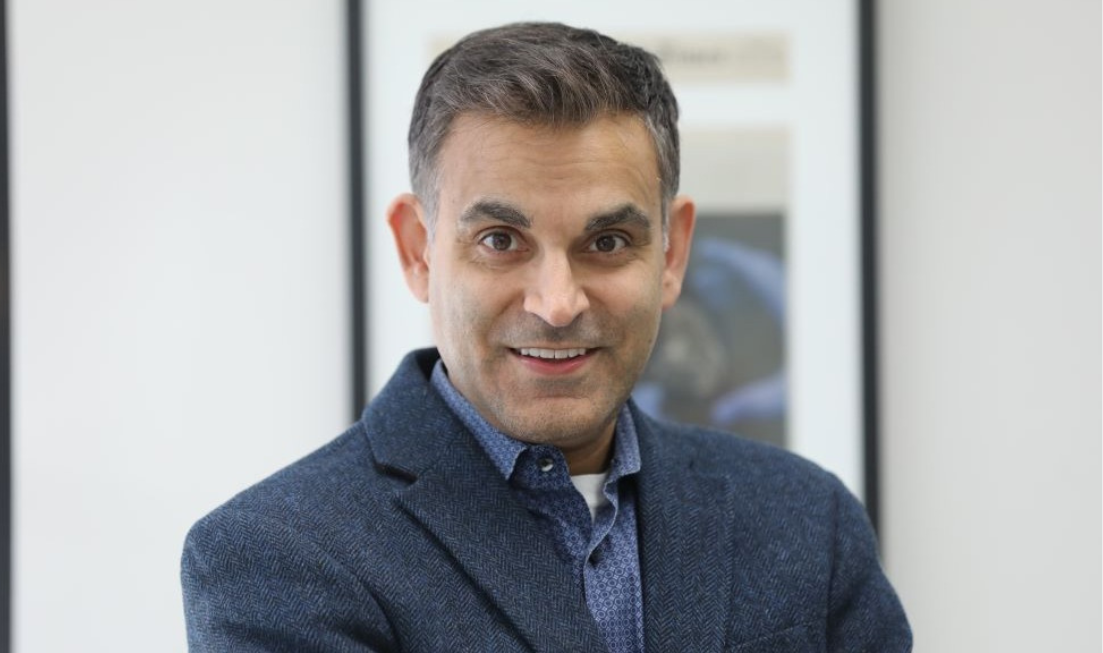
(553, 293)
(557, 311)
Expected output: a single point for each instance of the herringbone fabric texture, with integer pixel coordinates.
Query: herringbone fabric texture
(401, 535)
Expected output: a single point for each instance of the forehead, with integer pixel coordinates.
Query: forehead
(609, 160)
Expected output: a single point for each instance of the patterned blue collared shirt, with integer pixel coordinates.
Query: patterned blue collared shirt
(603, 551)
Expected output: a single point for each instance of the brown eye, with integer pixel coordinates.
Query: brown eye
(499, 241)
(609, 243)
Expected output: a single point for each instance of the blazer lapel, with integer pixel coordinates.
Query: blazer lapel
(685, 555)
(461, 499)
(506, 553)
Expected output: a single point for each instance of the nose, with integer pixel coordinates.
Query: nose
(554, 293)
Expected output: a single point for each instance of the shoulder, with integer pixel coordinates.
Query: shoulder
(711, 452)
(786, 497)
(319, 474)
(275, 557)
(348, 485)
(310, 495)
(305, 516)
(804, 544)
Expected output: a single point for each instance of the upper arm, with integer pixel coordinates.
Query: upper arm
(864, 613)
(253, 584)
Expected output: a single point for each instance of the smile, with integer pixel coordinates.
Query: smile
(552, 354)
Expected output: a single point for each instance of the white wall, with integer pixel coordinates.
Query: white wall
(990, 258)
(179, 303)
(180, 320)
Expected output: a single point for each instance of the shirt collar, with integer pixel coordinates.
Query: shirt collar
(504, 450)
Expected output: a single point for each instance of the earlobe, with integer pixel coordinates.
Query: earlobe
(682, 217)
(411, 238)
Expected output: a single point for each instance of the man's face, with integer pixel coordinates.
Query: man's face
(546, 273)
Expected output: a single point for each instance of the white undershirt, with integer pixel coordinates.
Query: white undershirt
(591, 487)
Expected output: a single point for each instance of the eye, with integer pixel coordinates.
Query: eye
(500, 241)
(608, 243)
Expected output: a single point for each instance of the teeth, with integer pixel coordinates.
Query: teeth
(551, 353)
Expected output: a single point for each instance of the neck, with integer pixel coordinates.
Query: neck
(591, 457)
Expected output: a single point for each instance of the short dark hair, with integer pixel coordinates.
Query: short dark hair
(546, 74)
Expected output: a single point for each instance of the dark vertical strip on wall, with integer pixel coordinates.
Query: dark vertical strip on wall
(357, 194)
(867, 113)
(5, 348)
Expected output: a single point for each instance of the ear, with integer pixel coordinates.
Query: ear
(411, 239)
(682, 216)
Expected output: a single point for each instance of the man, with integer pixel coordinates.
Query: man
(503, 493)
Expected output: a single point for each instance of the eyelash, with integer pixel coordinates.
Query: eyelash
(624, 242)
(515, 244)
(483, 240)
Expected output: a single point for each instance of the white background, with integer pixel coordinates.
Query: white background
(180, 302)
(180, 314)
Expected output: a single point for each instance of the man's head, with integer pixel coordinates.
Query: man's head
(553, 241)
(540, 74)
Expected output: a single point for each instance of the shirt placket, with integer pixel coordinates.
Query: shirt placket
(542, 476)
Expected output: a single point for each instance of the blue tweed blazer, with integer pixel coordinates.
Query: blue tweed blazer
(401, 536)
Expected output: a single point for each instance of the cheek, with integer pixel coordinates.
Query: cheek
(634, 296)
(465, 311)
(644, 324)
(632, 310)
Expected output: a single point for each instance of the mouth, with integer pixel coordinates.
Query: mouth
(551, 354)
(545, 361)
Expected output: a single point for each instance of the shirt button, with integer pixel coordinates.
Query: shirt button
(595, 557)
(545, 464)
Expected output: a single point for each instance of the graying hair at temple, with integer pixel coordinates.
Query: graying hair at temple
(541, 74)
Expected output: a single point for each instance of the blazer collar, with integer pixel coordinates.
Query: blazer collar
(458, 496)
(683, 518)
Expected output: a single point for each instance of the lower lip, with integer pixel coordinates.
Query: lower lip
(554, 365)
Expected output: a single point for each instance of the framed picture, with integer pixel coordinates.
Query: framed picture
(773, 337)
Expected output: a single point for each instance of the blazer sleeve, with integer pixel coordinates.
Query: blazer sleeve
(864, 613)
(252, 584)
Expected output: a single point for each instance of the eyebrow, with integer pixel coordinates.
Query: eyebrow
(495, 210)
(626, 214)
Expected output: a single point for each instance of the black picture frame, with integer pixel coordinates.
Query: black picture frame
(865, 93)
(5, 347)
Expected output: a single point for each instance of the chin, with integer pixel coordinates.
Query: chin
(559, 427)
